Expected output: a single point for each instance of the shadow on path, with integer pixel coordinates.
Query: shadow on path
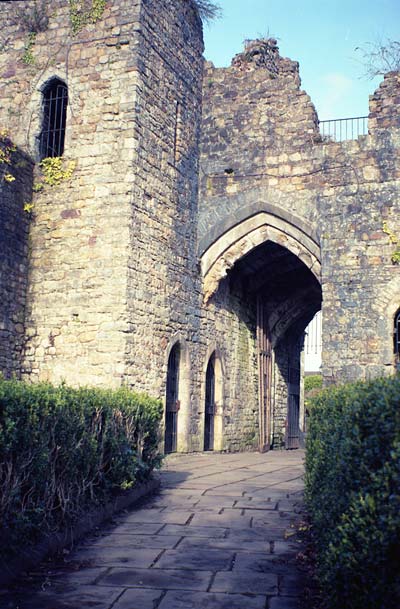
(219, 535)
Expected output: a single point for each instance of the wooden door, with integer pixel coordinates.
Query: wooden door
(264, 376)
(210, 406)
(172, 401)
(293, 416)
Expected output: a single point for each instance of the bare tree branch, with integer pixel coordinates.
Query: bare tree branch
(208, 10)
(380, 57)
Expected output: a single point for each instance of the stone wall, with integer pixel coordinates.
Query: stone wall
(229, 328)
(127, 257)
(14, 226)
(268, 176)
(113, 264)
(384, 104)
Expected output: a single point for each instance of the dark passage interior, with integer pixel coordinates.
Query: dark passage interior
(286, 295)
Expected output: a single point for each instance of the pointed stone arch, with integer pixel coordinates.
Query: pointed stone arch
(240, 239)
(35, 107)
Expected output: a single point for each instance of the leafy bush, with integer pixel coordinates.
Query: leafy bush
(312, 381)
(353, 493)
(63, 450)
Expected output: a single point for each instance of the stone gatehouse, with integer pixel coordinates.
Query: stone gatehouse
(196, 222)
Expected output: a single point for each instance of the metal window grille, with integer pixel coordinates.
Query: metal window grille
(397, 334)
(55, 100)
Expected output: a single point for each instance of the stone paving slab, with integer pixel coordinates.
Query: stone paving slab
(139, 599)
(229, 543)
(199, 559)
(209, 600)
(245, 583)
(136, 541)
(202, 519)
(137, 528)
(219, 535)
(116, 556)
(95, 597)
(158, 516)
(195, 531)
(159, 579)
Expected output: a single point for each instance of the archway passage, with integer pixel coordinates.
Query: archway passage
(172, 401)
(278, 285)
(210, 405)
(286, 295)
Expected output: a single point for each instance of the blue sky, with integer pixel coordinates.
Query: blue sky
(320, 34)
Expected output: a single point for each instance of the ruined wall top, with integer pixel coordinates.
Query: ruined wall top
(384, 103)
(264, 53)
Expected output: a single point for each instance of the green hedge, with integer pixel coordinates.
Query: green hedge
(63, 450)
(353, 493)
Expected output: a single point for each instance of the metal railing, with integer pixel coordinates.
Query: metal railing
(341, 129)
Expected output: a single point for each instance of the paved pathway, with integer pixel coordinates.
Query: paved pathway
(218, 536)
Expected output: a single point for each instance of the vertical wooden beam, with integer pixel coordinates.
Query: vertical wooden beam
(264, 376)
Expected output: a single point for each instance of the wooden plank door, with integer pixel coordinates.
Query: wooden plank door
(264, 376)
(209, 406)
(293, 415)
(172, 401)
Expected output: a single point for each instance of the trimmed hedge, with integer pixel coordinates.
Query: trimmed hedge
(64, 450)
(353, 493)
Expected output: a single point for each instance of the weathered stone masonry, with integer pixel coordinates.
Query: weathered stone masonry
(228, 250)
(14, 224)
(267, 177)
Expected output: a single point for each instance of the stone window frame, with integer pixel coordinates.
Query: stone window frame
(34, 109)
(53, 118)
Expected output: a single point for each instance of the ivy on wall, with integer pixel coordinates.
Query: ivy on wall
(6, 150)
(395, 240)
(83, 12)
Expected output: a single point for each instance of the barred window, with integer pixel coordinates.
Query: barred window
(55, 100)
(397, 334)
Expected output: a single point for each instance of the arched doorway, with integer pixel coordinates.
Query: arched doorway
(263, 276)
(209, 410)
(172, 403)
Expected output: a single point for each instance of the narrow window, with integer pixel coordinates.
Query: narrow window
(55, 100)
(397, 334)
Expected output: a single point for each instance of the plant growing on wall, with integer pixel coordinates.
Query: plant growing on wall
(208, 10)
(32, 20)
(28, 57)
(54, 171)
(83, 12)
(395, 240)
(6, 150)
